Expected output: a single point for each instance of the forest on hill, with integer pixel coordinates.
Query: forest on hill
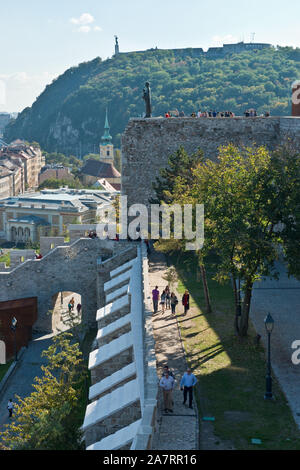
(69, 115)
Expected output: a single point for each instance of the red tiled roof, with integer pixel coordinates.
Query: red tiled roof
(100, 169)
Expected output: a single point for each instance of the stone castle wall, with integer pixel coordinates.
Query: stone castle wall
(71, 268)
(147, 143)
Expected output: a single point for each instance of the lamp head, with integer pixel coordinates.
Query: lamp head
(269, 323)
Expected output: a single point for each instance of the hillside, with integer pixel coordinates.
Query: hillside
(69, 115)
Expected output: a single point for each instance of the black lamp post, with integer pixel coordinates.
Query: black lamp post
(14, 327)
(269, 324)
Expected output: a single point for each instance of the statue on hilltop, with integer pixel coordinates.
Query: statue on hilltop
(147, 98)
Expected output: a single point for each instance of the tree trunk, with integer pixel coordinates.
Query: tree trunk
(205, 287)
(246, 309)
(236, 302)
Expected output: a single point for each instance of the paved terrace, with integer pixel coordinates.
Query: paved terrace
(282, 299)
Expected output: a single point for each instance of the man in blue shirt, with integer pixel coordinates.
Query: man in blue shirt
(187, 383)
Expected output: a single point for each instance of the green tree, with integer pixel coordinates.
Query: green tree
(286, 162)
(173, 186)
(48, 418)
(91, 156)
(244, 202)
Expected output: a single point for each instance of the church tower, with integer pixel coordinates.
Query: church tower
(106, 146)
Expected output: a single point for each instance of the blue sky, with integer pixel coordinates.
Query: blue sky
(40, 39)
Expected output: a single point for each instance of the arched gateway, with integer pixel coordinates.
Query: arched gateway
(75, 268)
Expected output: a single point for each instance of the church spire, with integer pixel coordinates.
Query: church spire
(106, 138)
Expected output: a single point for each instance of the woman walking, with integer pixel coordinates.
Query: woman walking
(163, 300)
(186, 301)
(168, 296)
(174, 302)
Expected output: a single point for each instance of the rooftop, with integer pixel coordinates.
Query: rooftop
(57, 198)
(100, 169)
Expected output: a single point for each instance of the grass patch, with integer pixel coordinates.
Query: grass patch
(4, 368)
(5, 259)
(231, 372)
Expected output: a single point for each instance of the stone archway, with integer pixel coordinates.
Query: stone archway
(62, 319)
(72, 268)
(88, 296)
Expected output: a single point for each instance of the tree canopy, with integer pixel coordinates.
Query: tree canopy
(252, 207)
(48, 419)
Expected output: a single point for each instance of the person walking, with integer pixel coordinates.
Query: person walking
(186, 301)
(187, 383)
(10, 407)
(72, 302)
(155, 298)
(167, 370)
(168, 296)
(174, 302)
(163, 300)
(78, 307)
(167, 384)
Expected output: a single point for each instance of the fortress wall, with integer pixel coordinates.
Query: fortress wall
(290, 128)
(147, 144)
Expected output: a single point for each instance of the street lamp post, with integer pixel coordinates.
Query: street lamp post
(14, 327)
(269, 325)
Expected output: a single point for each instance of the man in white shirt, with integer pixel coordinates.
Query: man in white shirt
(10, 407)
(187, 384)
(167, 384)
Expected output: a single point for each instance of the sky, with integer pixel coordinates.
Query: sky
(41, 39)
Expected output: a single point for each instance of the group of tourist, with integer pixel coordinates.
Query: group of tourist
(214, 114)
(167, 383)
(199, 114)
(168, 300)
(253, 113)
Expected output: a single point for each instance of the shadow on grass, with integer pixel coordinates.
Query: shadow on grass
(231, 372)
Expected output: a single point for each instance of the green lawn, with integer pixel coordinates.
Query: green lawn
(3, 369)
(231, 373)
(5, 259)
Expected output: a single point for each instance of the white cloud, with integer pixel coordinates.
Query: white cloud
(84, 23)
(84, 29)
(84, 19)
(21, 89)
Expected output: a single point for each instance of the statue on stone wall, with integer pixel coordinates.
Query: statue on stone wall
(147, 98)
